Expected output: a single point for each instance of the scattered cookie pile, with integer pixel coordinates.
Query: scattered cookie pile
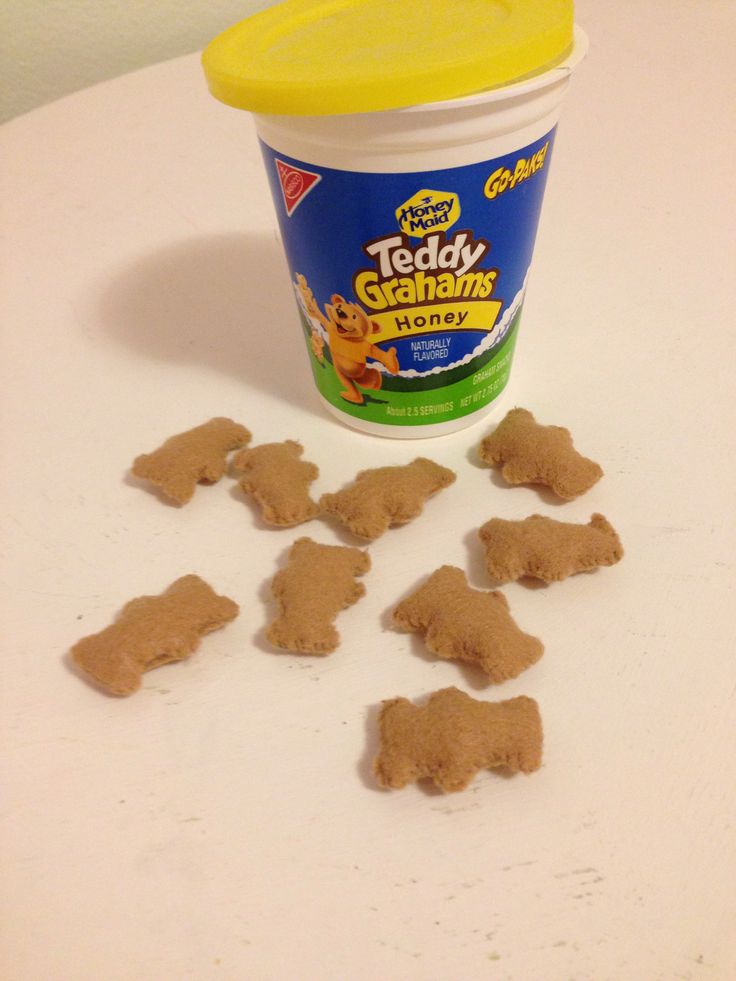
(452, 736)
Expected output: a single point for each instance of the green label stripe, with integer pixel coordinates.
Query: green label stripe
(463, 390)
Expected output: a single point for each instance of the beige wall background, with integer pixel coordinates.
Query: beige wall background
(49, 48)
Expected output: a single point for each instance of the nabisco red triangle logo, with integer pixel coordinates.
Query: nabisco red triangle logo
(295, 184)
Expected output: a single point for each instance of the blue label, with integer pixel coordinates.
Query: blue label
(409, 283)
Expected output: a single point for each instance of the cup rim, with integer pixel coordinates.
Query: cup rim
(557, 72)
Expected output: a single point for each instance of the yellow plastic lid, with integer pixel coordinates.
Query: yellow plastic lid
(322, 57)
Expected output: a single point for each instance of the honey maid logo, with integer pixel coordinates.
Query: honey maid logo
(428, 211)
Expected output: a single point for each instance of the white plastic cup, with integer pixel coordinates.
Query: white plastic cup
(338, 180)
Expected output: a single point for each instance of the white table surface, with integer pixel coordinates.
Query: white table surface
(223, 822)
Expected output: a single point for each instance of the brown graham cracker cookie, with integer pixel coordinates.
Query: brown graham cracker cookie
(381, 498)
(196, 456)
(318, 582)
(547, 549)
(465, 624)
(454, 736)
(276, 477)
(530, 453)
(150, 631)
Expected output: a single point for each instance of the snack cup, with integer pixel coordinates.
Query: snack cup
(408, 231)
